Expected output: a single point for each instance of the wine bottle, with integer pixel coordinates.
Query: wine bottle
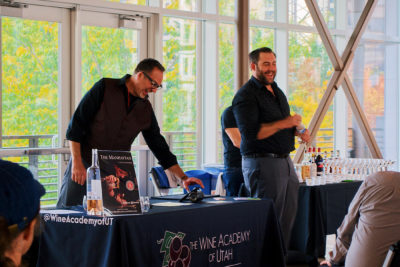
(305, 167)
(93, 187)
(313, 167)
(320, 163)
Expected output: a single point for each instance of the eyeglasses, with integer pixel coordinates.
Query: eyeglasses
(154, 85)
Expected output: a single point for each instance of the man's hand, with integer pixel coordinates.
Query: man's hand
(192, 181)
(305, 137)
(325, 262)
(328, 262)
(292, 121)
(78, 173)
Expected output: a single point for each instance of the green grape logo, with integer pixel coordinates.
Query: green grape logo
(176, 254)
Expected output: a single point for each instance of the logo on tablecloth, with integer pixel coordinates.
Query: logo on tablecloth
(176, 254)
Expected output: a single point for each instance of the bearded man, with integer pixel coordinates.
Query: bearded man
(267, 129)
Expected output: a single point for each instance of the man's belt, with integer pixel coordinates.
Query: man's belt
(265, 155)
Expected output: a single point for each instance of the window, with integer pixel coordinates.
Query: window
(179, 96)
(30, 91)
(186, 5)
(367, 74)
(226, 76)
(107, 50)
(226, 7)
(262, 10)
(309, 73)
(226, 63)
(259, 37)
(299, 14)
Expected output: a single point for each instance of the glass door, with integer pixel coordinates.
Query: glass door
(31, 82)
(111, 46)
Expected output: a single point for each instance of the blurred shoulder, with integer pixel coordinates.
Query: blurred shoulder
(385, 178)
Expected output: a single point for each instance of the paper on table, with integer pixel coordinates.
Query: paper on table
(246, 198)
(170, 204)
(217, 202)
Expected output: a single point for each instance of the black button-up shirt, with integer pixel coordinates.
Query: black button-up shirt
(79, 126)
(252, 105)
(232, 157)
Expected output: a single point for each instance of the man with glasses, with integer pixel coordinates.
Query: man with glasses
(109, 117)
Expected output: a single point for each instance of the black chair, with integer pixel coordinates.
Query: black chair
(393, 256)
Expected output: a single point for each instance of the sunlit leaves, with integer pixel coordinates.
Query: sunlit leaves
(179, 96)
(107, 52)
(226, 66)
(226, 7)
(29, 77)
(309, 73)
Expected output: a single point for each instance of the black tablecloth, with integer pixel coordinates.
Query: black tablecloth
(320, 212)
(237, 233)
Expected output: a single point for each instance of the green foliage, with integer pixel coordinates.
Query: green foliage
(309, 73)
(262, 9)
(107, 52)
(188, 5)
(226, 66)
(179, 96)
(29, 77)
(260, 37)
(226, 7)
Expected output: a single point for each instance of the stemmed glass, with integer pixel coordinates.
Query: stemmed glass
(327, 170)
(364, 170)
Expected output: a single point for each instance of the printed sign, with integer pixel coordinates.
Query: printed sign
(118, 181)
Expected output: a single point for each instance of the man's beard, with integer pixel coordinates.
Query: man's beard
(262, 78)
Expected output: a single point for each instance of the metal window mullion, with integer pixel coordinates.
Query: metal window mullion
(199, 93)
(1, 83)
(241, 42)
(64, 85)
(76, 59)
(324, 34)
(359, 28)
(217, 96)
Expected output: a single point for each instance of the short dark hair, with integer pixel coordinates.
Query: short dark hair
(254, 55)
(147, 65)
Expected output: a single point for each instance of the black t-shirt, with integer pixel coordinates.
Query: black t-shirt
(232, 157)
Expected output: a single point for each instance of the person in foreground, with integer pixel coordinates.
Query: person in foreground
(109, 117)
(371, 225)
(267, 130)
(20, 197)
